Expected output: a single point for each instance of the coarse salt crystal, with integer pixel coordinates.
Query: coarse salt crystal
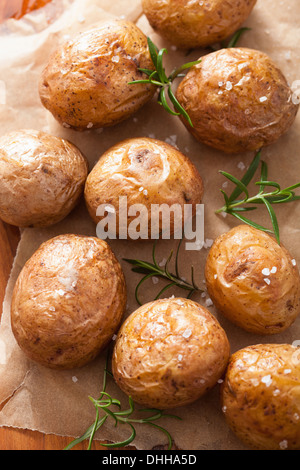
(208, 302)
(267, 281)
(266, 272)
(145, 192)
(155, 280)
(74, 379)
(294, 262)
(187, 333)
(241, 166)
(283, 444)
(263, 99)
(267, 380)
(287, 371)
(274, 270)
(215, 276)
(90, 125)
(180, 357)
(115, 59)
(228, 86)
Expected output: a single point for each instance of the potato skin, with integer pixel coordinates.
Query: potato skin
(190, 24)
(261, 396)
(42, 178)
(223, 94)
(169, 353)
(260, 303)
(147, 171)
(85, 83)
(68, 301)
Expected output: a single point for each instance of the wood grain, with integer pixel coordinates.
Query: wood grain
(19, 439)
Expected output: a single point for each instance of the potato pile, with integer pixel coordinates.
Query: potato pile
(70, 298)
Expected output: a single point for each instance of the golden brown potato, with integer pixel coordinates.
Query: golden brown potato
(68, 301)
(85, 84)
(238, 100)
(189, 24)
(253, 281)
(146, 171)
(169, 353)
(261, 396)
(42, 178)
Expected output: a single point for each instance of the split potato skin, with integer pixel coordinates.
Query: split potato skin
(42, 178)
(261, 396)
(86, 82)
(169, 353)
(146, 171)
(68, 301)
(252, 281)
(190, 24)
(238, 100)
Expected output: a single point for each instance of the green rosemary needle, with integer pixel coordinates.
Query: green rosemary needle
(151, 270)
(236, 207)
(159, 78)
(112, 408)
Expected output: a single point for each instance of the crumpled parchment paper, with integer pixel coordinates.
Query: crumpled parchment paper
(57, 402)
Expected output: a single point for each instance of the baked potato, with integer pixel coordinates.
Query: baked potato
(42, 178)
(148, 172)
(86, 81)
(253, 281)
(68, 301)
(238, 100)
(261, 396)
(189, 24)
(169, 352)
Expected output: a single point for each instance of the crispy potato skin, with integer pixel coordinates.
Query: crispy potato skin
(68, 301)
(169, 353)
(42, 178)
(146, 171)
(258, 303)
(85, 83)
(190, 24)
(261, 396)
(223, 94)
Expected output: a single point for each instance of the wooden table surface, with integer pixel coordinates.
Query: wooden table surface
(10, 438)
(19, 439)
(15, 439)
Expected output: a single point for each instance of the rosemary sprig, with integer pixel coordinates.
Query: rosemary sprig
(159, 78)
(236, 207)
(235, 38)
(111, 408)
(151, 270)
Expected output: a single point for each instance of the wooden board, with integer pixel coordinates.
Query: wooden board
(20, 439)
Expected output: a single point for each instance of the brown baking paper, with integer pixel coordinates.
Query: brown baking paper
(57, 402)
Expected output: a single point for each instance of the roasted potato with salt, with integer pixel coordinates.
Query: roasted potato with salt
(169, 352)
(147, 172)
(190, 24)
(42, 178)
(68, 301)
(261, 396)
(238, 100)
(253, 281)
(86, 81)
